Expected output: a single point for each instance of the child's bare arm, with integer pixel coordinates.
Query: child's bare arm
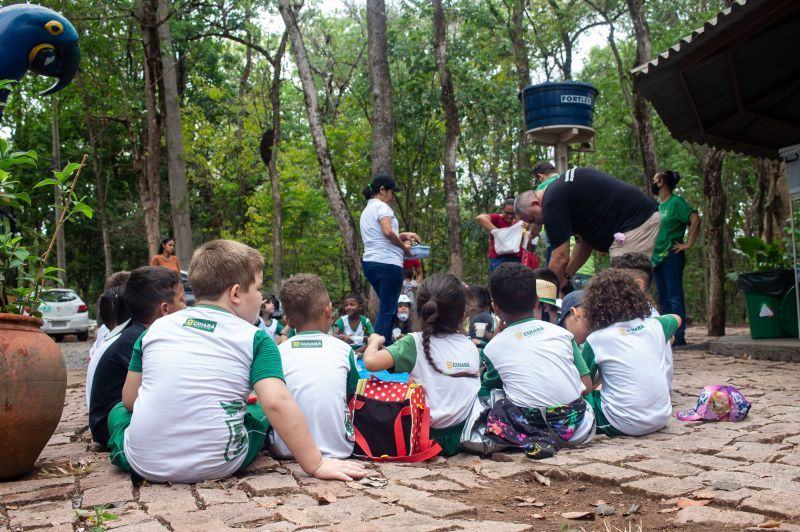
(130, 390)
(587, 384)
(288, 421)
(375, 357)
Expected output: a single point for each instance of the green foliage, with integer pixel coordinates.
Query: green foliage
(97, 517)
(762, 256)
(22, 276)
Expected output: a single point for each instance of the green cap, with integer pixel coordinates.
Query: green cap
(544, 184)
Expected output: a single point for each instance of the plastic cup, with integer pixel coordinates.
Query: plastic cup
(480, 329)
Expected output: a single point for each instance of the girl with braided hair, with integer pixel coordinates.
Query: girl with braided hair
(440, 358)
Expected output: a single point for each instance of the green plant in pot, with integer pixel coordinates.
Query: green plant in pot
(771, 310)
(31, 365)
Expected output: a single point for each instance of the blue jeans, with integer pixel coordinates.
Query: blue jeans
(387, 281)
(501, 259)
(669, 283)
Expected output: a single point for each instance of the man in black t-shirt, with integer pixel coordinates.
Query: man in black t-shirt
(610, 215)
(151, 292)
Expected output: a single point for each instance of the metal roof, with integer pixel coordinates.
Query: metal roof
(733, 83)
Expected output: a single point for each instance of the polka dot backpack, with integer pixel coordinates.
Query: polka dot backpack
(391, 422)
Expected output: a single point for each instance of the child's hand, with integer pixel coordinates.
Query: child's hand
(331, 469)
(376, 341)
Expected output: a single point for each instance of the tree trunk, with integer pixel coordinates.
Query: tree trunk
(641, 109)
(381, 82)
(451, 133)
(277, 215)
(97, 165)
(714, 225)
(248, 65)
(176, 165)
(327, 173)
(150, 177)
(58, 201)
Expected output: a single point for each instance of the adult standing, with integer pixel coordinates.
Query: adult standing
(490, 222)
(166, 256)
(610, 216)
(669, 257)
(384, 249)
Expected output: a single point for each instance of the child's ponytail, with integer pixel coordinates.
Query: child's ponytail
(440, 307)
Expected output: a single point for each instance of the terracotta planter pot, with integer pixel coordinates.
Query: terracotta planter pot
(33, 382)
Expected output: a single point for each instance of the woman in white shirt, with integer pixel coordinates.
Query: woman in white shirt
(384, 249)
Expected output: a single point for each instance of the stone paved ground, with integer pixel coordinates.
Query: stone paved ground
(750, 473)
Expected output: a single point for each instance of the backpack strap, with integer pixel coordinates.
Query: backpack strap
(399, 435)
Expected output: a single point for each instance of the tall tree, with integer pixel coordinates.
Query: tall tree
(451, 133)
(381, 83)
(176, 164)
(327, 172)
(641, 109)
(715, 198)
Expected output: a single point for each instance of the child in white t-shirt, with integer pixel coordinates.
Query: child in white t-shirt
(627, 346)
(320, 370)
(440, 358)
(184, 415)
(271, 326)
(353, 328)
(640, 267)
(534, 362)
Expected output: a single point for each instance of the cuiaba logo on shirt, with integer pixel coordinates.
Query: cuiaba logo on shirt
(307, 343)
(457, 365)
(200, 325)
(530, 332)
(625, 331)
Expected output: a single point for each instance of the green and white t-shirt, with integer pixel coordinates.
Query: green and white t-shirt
(321, 374)
(273, 328)
(198, 366)
(364, 327)
(535, 361)
(449, 398)
(635, 396)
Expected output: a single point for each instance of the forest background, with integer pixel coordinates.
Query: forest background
(179, 105)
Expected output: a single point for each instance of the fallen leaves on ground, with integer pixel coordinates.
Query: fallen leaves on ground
(769, 523)
(375, 482)
(541, 479)
(605, 510)
(683, 502)
(538, 516)
(668, 510)
(588, 516)
(634, 509)
(327, 498)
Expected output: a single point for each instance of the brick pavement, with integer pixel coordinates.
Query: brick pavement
(749, 470)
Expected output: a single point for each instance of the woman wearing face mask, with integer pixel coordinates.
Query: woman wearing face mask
(402, 319)
(669, 258)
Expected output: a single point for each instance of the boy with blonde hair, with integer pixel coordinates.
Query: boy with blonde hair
(184, 415)
(319, 369)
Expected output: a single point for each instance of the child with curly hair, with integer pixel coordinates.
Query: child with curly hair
(626, 346)
(440, 358)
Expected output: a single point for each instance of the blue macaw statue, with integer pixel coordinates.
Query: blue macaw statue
(36, 38)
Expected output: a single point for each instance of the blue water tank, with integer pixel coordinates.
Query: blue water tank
(558, 103)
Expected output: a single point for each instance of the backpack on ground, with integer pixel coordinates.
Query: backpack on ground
(391, 422)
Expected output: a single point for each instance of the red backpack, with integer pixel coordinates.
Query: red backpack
(391, 422)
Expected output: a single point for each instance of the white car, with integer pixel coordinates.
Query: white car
(63, 313)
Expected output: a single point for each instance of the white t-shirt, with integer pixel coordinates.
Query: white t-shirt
(198, 366)
(635, 396)
(101, 347)
(449, 398)
(378, 248)
(321, 375)
(102, 331)
(535, 360)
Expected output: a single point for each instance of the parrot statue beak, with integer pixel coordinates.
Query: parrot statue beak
(61, 63)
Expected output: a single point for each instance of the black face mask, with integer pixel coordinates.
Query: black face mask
(654, 188)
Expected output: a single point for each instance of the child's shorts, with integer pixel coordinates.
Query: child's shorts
(119, 419)
(603, 425)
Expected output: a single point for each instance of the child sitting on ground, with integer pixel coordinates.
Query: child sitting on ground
(320, 370)
(150, 293)
(353, 328)
(627, 346)
(402, 318)
(439, 358)
(184, 415)
(547, 292)
(410, 284)
(110, 310)
(640, 267)
(274, 328)
(536, 364)
(479, 310)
